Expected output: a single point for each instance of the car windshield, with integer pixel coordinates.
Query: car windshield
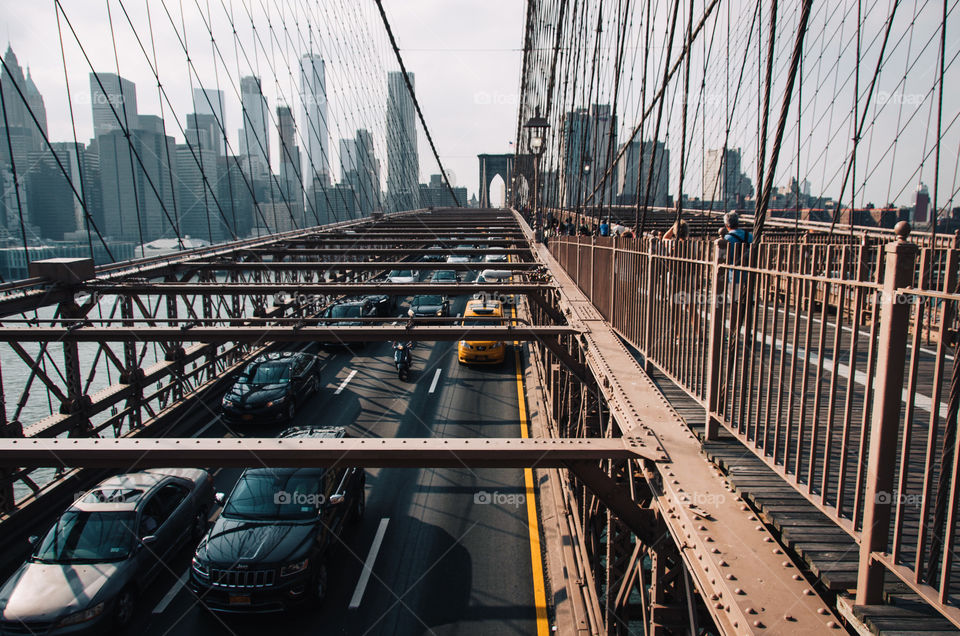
(428, 300)
(345, 311)
(401, 273)
(268, 373)
(445, 275)
(88, 537)
(290, 496)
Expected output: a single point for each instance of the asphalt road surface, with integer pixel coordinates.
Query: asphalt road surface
(450, 548)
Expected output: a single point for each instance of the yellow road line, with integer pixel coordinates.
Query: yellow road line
(536, 558)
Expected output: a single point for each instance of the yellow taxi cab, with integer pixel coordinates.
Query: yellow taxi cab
(481, 351)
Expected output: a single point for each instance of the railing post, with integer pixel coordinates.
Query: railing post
(711, 427)
(888, 391)
(646, 312)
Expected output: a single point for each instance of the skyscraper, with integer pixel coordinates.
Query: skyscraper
(602, 145)
(113, 100)
(722, 179)
(25, 138)
(290, 189)
(138, 195)
(368, 173)
(313, 96)
(403, 165)
(211, 114)
(254, 136)
(574, 140)
(348, 158)
(634, 166)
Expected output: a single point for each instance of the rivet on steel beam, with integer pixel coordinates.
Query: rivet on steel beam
(758, 624)
(731, 577)
(786, 564)
(821, 610)
(797, 577)
(831, 625)
(777, 551)
(723, 564)
(808, 592)
(759, 527)
(788, 617)
(750, 610)
(715, 551)
(739, 591)
(702, 527)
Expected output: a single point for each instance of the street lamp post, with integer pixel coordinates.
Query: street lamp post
(536, 140)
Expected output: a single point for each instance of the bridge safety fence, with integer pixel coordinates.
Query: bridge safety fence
(835, 364)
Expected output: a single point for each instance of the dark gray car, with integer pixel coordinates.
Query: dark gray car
(85, 574)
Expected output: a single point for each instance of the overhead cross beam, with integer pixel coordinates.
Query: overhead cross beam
(253, 334)
(349, 289)
(248, 452)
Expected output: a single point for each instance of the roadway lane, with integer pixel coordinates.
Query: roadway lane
(454, 544)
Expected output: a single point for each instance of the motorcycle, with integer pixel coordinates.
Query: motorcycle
(402, 358)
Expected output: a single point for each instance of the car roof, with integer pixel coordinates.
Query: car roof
(313, 432)
(483, 308)
(143, 483)
(277, 356)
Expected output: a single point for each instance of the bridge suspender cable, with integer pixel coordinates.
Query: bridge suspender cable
(416, 104)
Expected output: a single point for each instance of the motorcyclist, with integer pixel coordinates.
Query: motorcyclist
(401, 353)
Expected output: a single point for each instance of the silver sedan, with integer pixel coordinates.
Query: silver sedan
(85, 574)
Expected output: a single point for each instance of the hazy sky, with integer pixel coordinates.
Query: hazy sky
(465, 56)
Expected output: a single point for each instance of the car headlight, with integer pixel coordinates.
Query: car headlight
(82, 616)
(465, 344)
(227, 400)
(439, 312)
(200, 568)
(294, 568)
(276, 402)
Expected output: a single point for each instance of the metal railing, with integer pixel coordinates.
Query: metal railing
(834, 363)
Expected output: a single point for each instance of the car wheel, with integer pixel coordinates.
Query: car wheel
(320, 582)
(125, 607)
(291, 410)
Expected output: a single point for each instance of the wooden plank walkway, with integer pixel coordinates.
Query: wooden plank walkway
(829, 554)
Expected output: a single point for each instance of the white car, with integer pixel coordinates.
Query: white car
(402, 276)
(458, 258)
(495, 258)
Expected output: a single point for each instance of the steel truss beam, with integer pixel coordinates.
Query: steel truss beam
(294, 289)
(360, 248)
(277, 334)
(312, 266)
(432, 452)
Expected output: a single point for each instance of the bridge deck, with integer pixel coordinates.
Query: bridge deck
(829, 553)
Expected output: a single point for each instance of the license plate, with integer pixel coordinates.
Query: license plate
(248, 417)
(240, 600)
(481, 357)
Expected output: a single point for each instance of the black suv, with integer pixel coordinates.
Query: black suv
(271, 386)
(267, 550)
